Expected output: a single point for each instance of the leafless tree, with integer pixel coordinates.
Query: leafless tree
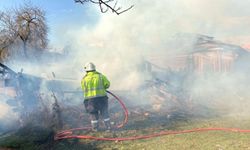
(106, 5)
(23, 27)
(31, 28)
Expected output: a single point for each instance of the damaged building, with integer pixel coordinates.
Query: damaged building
(210, 55)
(173, 73)
(203, 54)
(19, 89)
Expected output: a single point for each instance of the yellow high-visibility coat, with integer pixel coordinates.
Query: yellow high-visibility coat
(94, 84)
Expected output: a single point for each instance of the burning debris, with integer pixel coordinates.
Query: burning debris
(22, 93)
(57, 114)
(166, 90)
(169, 92)
(168, 84)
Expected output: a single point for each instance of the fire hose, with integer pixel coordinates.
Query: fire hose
(68, 134)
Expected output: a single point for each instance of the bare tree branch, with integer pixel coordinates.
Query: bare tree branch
(8, 32)
(106, 5)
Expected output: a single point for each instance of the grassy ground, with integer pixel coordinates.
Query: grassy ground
(213, 140)
(38, 138)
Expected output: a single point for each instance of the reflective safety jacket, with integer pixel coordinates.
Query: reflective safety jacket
(94, 84)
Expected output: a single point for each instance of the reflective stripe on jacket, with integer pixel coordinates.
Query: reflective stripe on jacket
(94, 84)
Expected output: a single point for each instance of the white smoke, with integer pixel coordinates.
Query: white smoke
(116, 43)
(119, 44)
(7, 116)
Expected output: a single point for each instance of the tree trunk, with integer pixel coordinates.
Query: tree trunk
(25, 49)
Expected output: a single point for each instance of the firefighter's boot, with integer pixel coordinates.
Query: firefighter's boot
(95, 125)
(107, 124)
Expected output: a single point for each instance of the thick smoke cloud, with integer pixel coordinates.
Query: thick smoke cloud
(7, 117)
(118, 45)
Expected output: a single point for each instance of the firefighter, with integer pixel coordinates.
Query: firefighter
(94, 85)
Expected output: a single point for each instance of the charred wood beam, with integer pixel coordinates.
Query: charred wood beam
(8, 69)
(57, 114)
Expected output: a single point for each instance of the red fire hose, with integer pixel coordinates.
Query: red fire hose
(68, 134)
(125, 120)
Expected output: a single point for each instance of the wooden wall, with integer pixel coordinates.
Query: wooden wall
(212, 61)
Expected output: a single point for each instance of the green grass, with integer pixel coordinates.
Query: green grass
(212, 140)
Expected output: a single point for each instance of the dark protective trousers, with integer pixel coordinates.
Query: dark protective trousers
(96, 106)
